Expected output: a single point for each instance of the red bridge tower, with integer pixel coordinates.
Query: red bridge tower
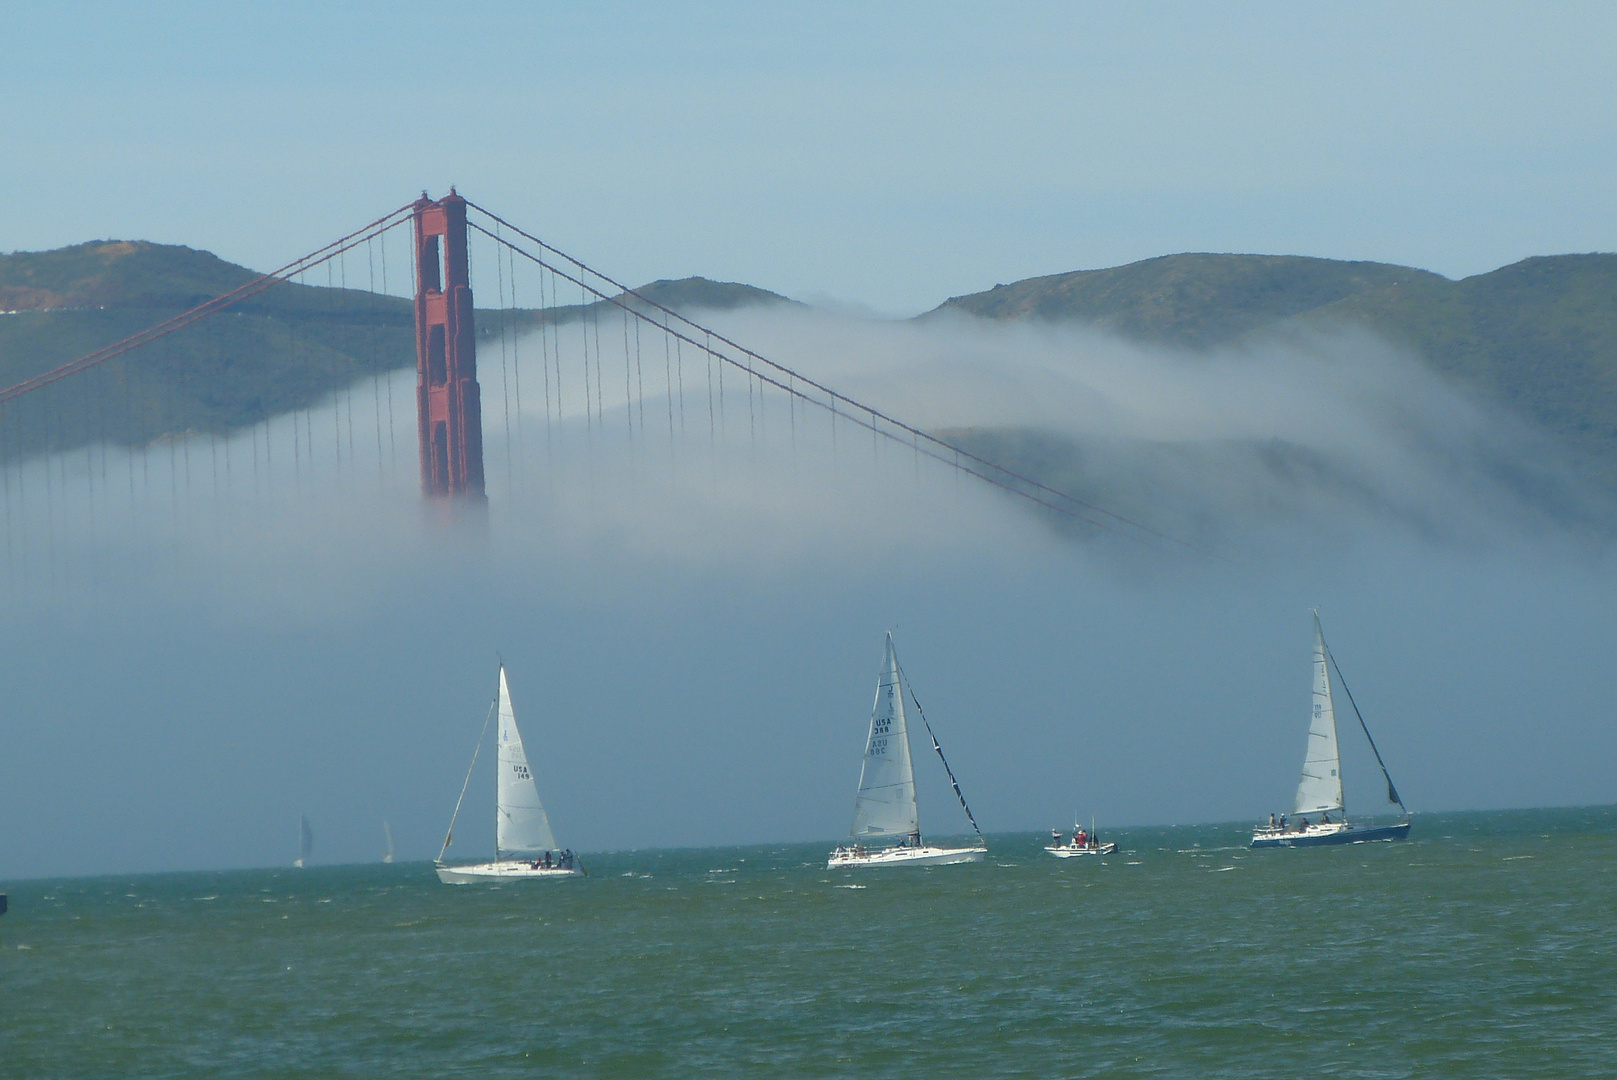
(449, 407)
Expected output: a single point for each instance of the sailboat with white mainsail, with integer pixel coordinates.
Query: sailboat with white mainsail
(305, 842)
(1319, 792)
(387, 831)
(524, 846)
(886, 827)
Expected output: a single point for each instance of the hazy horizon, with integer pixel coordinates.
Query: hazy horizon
(692, 613)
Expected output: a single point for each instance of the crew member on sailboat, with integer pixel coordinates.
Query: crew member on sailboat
(1320, 789)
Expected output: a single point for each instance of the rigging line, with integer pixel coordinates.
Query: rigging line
(1006, 480)
(679, 373)
(392, 445)
(376, 380)
(478, 749)
(935, 746)
(505, 385)
(186, 318)
(628, 390)
(934, 449)
(668, 383)
(832, 393)
(600, 379)
(516, 341)
(639, 378)
(584, 330)
(336, 412)
(544, 352)
(1392, 792)
(555, 344)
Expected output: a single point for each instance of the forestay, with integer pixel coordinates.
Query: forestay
(521, 825)
(885, 806)
(1320, 788)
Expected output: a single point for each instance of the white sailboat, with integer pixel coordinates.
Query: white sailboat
(886, 828)
(305, 843)
(387, 831)
(524, 846)
(1319, 791)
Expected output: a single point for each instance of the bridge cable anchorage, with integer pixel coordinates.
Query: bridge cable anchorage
(208, 307)
(784, 378)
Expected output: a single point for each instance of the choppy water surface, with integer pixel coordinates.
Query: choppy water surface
(1484, 946)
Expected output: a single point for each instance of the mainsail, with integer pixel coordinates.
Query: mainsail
(1320, 788)
(885, 806)
(306, 842)
(521, 826)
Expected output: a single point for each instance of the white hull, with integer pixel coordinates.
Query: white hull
(1068, 851)
(508, 870)
(847, 858)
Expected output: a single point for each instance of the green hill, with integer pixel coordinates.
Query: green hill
(1196, 301)
(282, 350)
(1538, 336)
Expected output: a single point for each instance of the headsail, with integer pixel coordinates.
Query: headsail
(1320, 788)
(521, 825)
(885, 806)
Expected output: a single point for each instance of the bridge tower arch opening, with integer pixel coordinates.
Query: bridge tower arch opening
(449, 406)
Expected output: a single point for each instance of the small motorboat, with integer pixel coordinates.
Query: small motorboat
(1082, 843)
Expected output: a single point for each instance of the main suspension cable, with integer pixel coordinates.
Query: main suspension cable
(856, 413)
(785, 379)
(209, 307)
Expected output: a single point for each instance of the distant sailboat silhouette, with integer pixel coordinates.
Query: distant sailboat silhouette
(387, 855)
(306, 843)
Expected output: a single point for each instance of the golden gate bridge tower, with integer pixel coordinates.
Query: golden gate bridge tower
(449, 407)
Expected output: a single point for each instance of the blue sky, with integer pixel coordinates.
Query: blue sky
(884, 155)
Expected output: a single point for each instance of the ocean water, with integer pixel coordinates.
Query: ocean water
(1484, 946)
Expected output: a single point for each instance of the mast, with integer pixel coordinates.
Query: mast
(449, 835)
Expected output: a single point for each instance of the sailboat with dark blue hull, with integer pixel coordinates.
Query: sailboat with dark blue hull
(1319, 792)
